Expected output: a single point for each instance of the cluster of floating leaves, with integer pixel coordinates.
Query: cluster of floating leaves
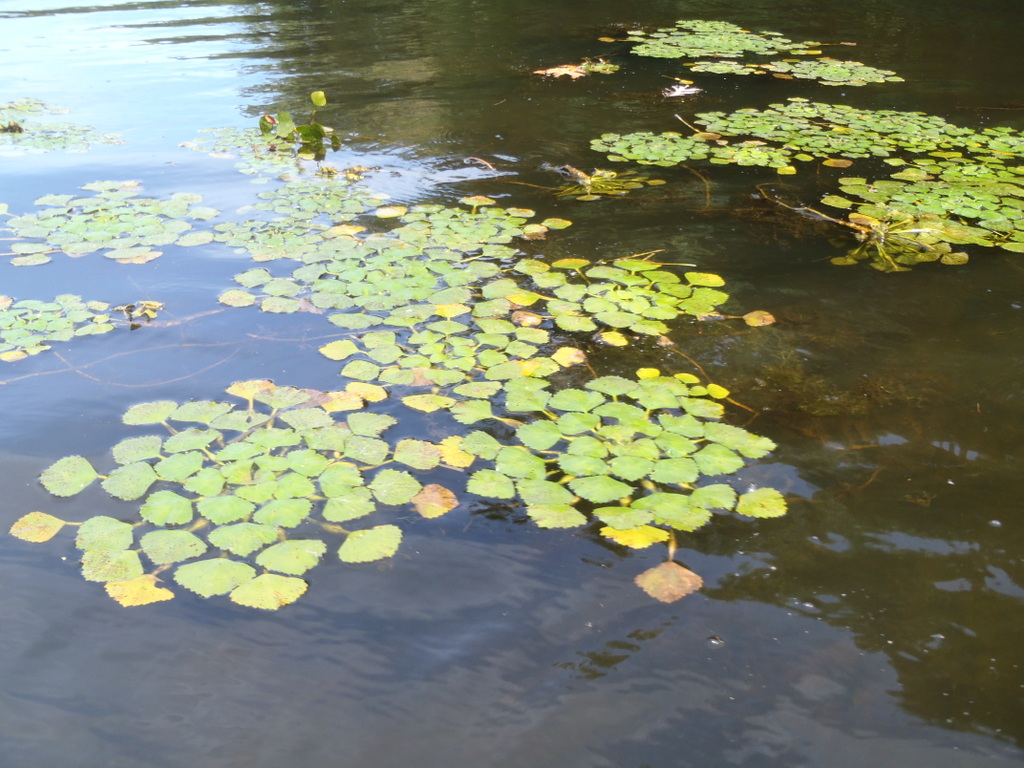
(947, 174)
(253, 152)
(717, 39)
(826, 70)
(445, 315)
(22, 130)
(28, 327)
(601, 183)
(115, 219)
(723, 43)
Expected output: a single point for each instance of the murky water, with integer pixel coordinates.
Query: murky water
(878, 623)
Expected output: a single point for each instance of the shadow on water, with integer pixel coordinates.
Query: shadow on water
(875, 623)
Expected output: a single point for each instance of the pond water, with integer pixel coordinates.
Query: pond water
(878, 622)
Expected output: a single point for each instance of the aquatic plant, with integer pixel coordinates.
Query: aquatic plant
(601, 183)
(723, 43)
(444, 314)
(114, 219)
(310, 139)
(575, 71)
(29, 327)
(953, 186)
(23, 132)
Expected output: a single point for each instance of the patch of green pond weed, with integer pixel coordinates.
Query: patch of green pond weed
(23, 130)
(442, 315)
(115, 219)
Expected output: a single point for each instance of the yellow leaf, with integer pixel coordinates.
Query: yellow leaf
(786, 170)
(452, 453)
(717, 392)
(451, 310)
(13, 356)
(434, 500)
(343, 230)
(647, 373)
(373, 393)
(342, 401)
(566, 356)
(669, 582)
(687, 378)
(638, 538)
(142, 590)
(248, 389)
(523, 299)
(836, 162)
(613, 338)
(390, 211)
(36, 527)
(758, 318)
(530, 367)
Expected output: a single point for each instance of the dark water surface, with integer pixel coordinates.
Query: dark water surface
(879, 623)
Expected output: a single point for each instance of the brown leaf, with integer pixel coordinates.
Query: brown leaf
(530, 319)
(837, 162)
(434, 500)
(568, 70)
(669, 582)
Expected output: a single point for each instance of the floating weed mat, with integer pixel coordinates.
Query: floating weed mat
(723, 43)
(254, 152)
(22, 131)
(115, 219)
(443, 314)
(600, 183)
(29, 327)
(245, 503)
(950, 186)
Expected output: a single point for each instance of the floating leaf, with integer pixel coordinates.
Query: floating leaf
(269, 591)
(600, 489)
(111, 565)
(434, 500)
(371, 544)
(286, 513)
(213, 577)
(164, 547)
(669, 582)
(294, 557)
(103, 532)
(130, 481)
(142, 590)
(762, 502)
(243, 538)
(556, 515)
(36, 527)
(393, 486)
(636, 538)
(166, 508)
(418, 454)
(68, 476)
(149, 413)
